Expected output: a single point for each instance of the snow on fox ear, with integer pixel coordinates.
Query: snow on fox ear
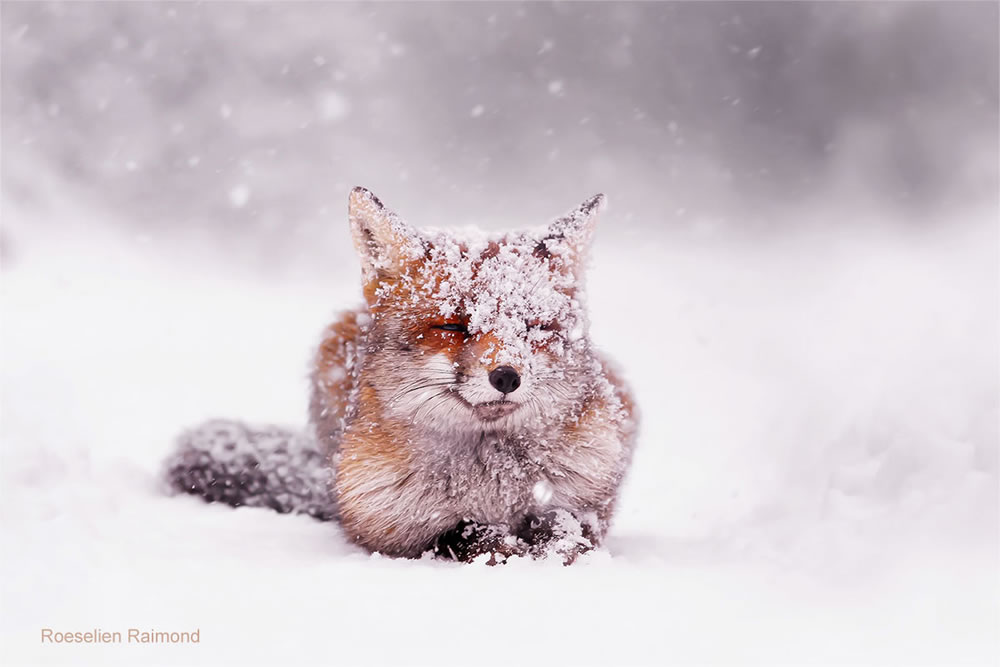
(384, 242)
(573, 232)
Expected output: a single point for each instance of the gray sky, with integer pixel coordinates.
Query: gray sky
(256, 118)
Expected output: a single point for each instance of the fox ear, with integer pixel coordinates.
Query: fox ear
(575, 230)
(384, 242)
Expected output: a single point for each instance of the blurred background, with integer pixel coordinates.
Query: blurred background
(798, 269)
(243, 125)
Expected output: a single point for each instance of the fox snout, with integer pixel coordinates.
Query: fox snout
(505, 379)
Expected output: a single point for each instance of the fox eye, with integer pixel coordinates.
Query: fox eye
(458, 328)
(543, 326)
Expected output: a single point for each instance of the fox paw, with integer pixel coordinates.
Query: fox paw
(554, 534)
(557, 534)
(470, 541)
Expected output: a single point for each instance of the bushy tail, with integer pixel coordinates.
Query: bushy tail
(230, 462)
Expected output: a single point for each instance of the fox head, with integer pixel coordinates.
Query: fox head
(475, 335)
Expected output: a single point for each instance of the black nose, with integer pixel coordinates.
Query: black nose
(505, 379)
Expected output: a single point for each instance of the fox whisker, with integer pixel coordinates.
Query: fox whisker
(429, 385)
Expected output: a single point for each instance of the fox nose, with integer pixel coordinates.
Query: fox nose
(505, 379)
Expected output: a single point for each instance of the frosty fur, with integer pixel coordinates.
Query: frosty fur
(263, 466)
(421, 451)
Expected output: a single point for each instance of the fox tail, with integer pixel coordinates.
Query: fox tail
(240, 465)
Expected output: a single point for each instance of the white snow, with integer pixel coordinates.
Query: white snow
(334, 106)
(239, 195)
(815, 482)
(542, 492)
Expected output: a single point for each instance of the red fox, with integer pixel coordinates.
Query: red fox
(462, 411)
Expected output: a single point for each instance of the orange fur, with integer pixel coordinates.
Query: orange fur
(334, 379)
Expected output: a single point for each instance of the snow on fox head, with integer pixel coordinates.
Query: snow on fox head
(475, 333)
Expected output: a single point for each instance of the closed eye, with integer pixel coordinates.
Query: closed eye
(458, 328)
(544, 326)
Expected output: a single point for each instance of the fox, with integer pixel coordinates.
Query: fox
(462, 411)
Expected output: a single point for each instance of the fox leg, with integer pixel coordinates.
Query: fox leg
(558, 533)
(469, 540)
(541, 535)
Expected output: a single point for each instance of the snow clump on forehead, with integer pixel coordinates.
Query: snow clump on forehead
(520, 289)
(523, 288)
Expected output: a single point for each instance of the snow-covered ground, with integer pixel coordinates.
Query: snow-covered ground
(816, 480)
